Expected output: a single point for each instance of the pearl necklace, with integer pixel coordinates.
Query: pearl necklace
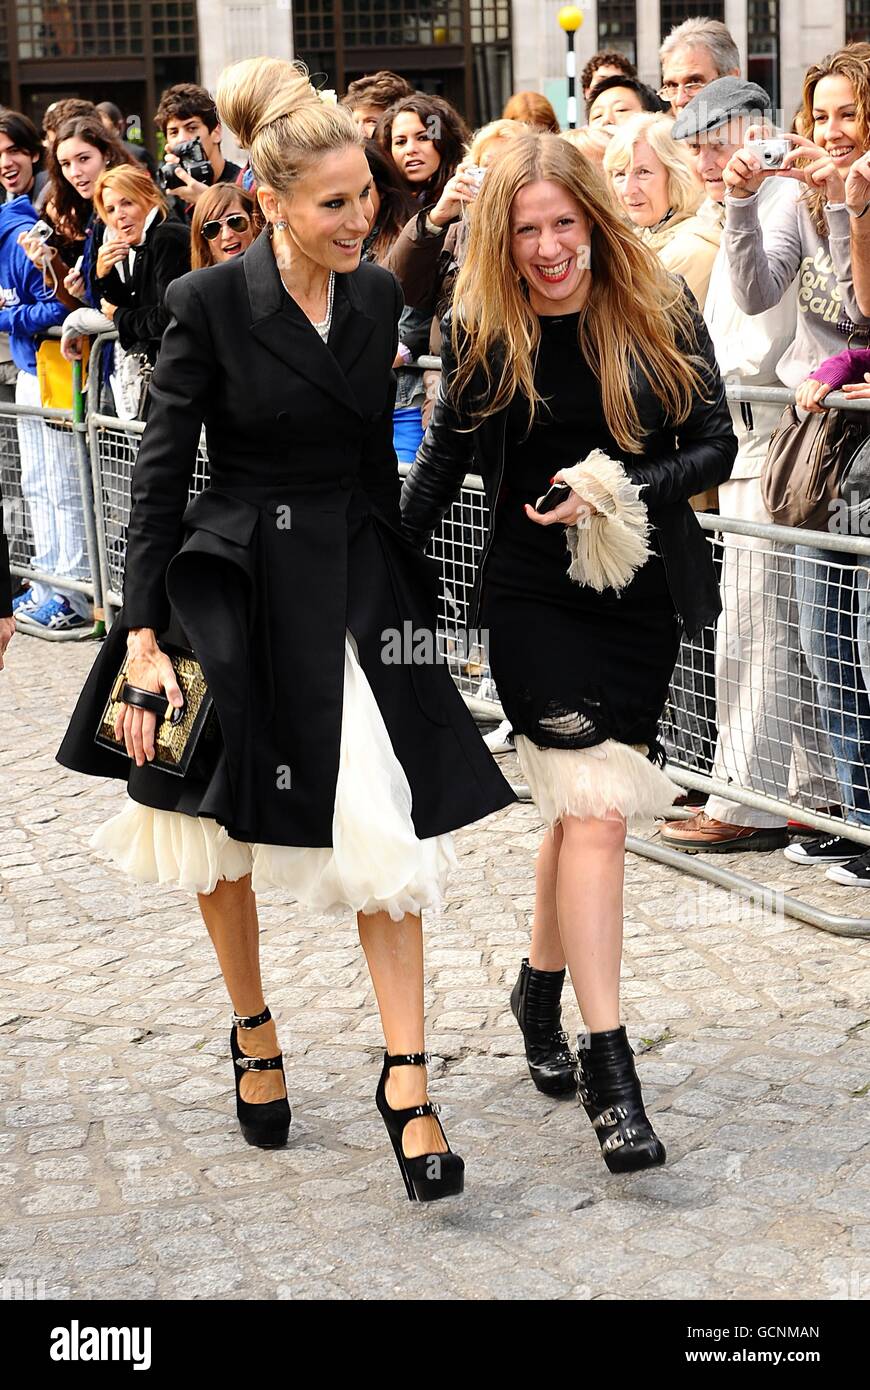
(323, 327)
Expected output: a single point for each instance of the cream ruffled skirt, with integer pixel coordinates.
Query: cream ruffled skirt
(375, 862)
(585, 782)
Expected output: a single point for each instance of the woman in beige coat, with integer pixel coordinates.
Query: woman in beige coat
(654, 184)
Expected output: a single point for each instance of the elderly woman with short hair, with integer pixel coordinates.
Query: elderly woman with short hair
(654, 184)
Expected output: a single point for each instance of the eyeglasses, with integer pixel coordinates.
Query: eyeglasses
(671, 89)
(236, 221)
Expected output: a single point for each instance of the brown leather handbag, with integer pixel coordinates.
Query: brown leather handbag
(805, 459)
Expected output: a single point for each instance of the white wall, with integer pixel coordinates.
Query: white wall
(233, 29)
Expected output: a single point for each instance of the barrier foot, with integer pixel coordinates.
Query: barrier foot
(769, 898)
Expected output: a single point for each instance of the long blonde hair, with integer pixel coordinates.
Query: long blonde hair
(635, 310)
(280, 119)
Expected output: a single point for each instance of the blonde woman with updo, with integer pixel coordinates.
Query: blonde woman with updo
(342, 761)
(572, 358)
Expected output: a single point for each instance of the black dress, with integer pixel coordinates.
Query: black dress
(575, 669)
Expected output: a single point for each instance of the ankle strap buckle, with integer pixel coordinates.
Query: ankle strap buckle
(407, 1059)
(251, 1020)
(611, 1116)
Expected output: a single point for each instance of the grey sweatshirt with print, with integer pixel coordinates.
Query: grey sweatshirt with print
(764, 264)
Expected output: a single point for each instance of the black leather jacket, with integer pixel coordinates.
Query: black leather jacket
(673, 467)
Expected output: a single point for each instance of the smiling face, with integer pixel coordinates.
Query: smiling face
(548, 229)
(613, 107)
(125, 216)
(17, 167)
(835, 126)
(81, 164)
(413, 148)
(329, 210)
(642, 187)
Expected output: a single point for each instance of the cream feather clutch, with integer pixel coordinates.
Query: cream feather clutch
(609, 548)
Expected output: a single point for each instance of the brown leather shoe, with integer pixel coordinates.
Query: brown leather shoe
(701, 832)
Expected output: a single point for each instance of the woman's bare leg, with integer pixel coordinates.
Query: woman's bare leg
(546, 951)
(230, 914)
(589, 898)
(394, 952)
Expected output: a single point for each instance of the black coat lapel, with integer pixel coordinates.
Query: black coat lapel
(281, 326)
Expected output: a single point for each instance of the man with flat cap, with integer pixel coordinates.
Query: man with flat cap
(752, 713)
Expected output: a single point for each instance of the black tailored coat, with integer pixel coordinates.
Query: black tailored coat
(297, 538)
(674, 465)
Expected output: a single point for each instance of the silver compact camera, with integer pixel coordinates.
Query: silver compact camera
(771, 153)
(475, 173)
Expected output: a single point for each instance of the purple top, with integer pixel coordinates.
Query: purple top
(846, 366)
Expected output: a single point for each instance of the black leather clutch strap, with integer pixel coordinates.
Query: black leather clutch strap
(146, 699)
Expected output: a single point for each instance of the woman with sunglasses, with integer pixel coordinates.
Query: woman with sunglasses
(226, 220)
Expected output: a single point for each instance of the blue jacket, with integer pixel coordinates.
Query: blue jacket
(27, 307)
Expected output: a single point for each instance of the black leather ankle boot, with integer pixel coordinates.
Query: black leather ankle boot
(536, 1006)
(609, 1090)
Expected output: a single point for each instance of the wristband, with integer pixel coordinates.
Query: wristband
(852, 213)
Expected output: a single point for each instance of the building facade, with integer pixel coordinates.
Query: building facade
(474, 52)
(779, 39)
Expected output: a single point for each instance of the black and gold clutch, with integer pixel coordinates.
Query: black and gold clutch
(182, 733)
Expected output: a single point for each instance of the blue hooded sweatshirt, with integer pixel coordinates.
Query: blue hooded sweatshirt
(27, 307)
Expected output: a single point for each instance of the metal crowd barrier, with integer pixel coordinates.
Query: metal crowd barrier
(743, 720)
(48, 503)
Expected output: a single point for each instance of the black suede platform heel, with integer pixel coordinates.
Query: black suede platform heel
(428, 1176)
(264, 1124)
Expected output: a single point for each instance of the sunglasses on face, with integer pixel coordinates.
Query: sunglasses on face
(236, 221)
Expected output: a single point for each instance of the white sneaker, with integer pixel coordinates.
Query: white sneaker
(501, 740)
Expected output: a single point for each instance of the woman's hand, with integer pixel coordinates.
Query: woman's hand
(574, 511)
(810, 394)
(461, 189)
(743, 174)
(74, 283)
(107, 308)
(821, 172)
(858, 186)
(150, 669)
(857, 390)
(71, 347)
(109, 254)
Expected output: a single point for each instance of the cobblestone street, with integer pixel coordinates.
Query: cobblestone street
(123, 1173)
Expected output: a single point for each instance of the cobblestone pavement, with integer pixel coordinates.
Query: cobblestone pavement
(123, 1173)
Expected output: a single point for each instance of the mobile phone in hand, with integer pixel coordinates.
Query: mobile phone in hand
(559, 492)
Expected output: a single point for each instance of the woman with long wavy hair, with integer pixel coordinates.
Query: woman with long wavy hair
(812, 243)
(570, 353)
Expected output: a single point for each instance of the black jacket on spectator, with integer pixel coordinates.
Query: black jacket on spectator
(674, 465)
(141, 316)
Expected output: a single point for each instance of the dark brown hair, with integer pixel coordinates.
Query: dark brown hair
(70, 211)
(450, 137)
(607, 58)
(184, 101)
(378, 89)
